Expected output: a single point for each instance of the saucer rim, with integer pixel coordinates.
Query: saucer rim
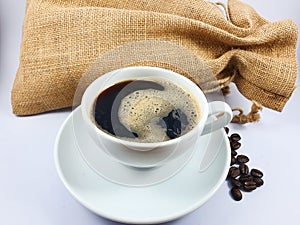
(151, 220)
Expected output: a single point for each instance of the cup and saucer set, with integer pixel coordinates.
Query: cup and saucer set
(137, 182)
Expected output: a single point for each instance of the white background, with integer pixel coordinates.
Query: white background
(32, 194)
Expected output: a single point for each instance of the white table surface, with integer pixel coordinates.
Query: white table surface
(32, 194)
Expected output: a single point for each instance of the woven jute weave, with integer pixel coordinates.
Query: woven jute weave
(62, 38)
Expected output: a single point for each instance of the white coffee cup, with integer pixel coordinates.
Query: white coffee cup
(145, 155)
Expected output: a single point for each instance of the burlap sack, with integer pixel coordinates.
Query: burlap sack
(62, 38)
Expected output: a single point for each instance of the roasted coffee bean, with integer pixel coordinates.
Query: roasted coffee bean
(244, 169)
(226, 130)
(233, 160)
(234, 153)
(249, 188)
(259, 182)
(235, 145)
(236, 194)
(242, 159)
(245, 177)
(256, 173)
(249, 185)
(236, 183)
(234, 172)
(235, 137)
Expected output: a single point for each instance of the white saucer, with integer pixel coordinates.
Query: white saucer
(179, 195)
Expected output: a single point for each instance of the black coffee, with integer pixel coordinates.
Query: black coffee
(145, 110)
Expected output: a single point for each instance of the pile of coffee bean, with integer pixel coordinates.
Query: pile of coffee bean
(241, 178)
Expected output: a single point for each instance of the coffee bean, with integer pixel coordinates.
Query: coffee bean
(244, 169)
(235, 145)
(259, 182)
(233, 160)
(236, 194)
(249, 188)
(242, 159)
(234, 172)
(226, 130)
(256, 173)
(236, 183)
(249, 185)
(235, 137)
(234, 153)
(245, 177)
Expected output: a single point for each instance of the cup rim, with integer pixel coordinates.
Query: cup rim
(85, 106)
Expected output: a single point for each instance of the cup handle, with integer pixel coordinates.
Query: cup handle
(215, 108)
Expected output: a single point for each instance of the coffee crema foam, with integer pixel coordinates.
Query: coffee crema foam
(142, 111)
